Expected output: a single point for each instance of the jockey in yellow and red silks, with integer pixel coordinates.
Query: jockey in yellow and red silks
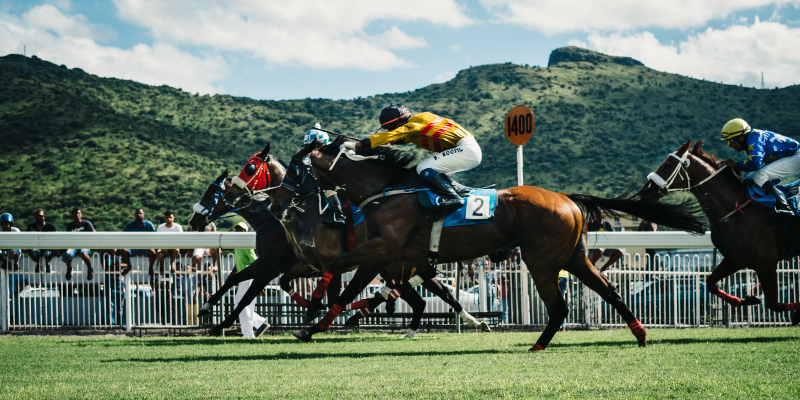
(456, 149)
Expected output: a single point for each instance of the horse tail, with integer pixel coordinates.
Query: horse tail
(683, 216)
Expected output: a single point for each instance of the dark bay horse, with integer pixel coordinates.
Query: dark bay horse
(750, 238)
(549, 227)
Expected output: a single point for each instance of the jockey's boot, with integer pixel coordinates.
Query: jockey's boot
(336, 210)
(781, 204)
(449, 199)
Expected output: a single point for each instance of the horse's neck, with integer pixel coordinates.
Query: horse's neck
(718, 195)
(258, 214)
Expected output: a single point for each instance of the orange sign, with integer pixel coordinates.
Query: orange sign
(519, 125)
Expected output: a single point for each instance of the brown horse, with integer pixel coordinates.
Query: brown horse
(550, 228)
(749, 238)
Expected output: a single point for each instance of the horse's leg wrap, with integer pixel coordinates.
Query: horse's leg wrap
(325, 323)
(638, 330)
(363, 312)
(300, 300)
(792, 306)
(537, 347)
(469, 319)
(390, 294)
(357, 305)
(732, 300)
(322, 286)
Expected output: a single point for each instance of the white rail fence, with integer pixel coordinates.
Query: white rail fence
(667, 291)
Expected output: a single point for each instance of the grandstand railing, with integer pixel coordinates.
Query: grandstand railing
(667, 291)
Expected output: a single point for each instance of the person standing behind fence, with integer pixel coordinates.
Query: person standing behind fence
(613, 254)
(198, 254)
(36, 254)
(139, 224)
(78, 225)
(502, 294)
(10, 257)
(169, 225)
(563, 280)
(647, 226)
(248, 318)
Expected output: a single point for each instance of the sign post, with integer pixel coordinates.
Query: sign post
(519, 129)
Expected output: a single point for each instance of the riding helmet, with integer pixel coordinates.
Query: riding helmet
(320, 136)
(394, 116)
(6, 217)
(735, 127)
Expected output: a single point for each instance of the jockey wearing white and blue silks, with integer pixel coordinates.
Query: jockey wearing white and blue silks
(769, 156)
(333, 198)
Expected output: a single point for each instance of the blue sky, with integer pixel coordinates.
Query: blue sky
(344, 49)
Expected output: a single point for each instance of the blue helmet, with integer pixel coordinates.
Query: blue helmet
(321, 136)
(6, 217)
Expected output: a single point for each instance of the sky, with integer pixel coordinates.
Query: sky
(344, 49)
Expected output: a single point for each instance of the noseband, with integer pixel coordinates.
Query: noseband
(219, 193)
(680, 170)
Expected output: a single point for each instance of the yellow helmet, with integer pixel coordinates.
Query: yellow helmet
(735, 127)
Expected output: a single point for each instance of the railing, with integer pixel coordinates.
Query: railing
(668, 291)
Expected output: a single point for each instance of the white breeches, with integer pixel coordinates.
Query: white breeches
(466, 155)
(248, 318)
(778, 169)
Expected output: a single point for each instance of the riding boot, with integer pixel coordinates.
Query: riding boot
(449, 199)
(336, 209)
(781, 204)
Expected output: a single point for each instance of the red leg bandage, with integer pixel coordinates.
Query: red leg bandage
(394, 294)
(300, 300)
(537, 347)
(638, 330)
(363, 312)
(327, 320)
(792, 306)
(359, 304)
(322, 286)
(732, 300)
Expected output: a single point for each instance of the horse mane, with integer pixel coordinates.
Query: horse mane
(697, 150)
(392, 159)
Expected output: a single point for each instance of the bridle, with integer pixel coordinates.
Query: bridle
(219, 193)
(680, 170)
(302, 187)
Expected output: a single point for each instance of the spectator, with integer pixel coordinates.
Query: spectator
(139, 224)
(502, 294)
(248, 318)
(613, 254)
(647, 226)
(41, 226)
(9, 257)
(197, 256)
(78, 225)
(169, 225)
(563, 280)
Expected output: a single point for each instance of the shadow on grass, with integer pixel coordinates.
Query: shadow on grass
(305, 356)
(671, 341)
(238, 340)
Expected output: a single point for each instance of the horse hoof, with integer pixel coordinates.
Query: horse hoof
(352, 322)
(303, 335)
(643, 343)
(536, 347)
(203, 313)
(795, 318)
(215, 331)
(750, 301)
(484, 327)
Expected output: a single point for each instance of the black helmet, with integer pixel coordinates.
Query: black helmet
(394, 116)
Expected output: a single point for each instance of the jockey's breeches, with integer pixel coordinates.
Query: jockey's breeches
(466, 155)
(777, 169)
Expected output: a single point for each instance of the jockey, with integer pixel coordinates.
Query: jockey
(778, 153)
(456, 149)
(333, 198)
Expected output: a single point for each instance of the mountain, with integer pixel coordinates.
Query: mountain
(109, 145)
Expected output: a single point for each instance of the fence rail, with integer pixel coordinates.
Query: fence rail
(665, 291)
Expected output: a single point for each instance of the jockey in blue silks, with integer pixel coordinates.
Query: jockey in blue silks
(333, 198)
(769, 156)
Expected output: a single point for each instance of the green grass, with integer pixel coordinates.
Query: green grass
(692, 363)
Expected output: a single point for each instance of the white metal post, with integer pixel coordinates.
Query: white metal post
(128, 293)
(526, 298)
(482, 289)
(519, 166)
(4, 319)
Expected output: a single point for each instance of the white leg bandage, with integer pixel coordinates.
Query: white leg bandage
(390, 294)
(469, 319)
(410, 334)
(415, 281)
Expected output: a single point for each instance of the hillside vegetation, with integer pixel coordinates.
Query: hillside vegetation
(109, 145)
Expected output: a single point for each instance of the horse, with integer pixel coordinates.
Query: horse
(222, 197)
(549, 228)
(747, 239)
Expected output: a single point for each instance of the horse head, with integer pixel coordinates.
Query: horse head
(297, 185)
(684, 169)
(205, 207)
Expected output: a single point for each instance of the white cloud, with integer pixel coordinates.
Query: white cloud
(554, 17)
(578, 43)
(444, 77)
(312, 33)
(735, 55)
(68, 39)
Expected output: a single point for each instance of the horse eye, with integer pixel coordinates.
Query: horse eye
(250, 169)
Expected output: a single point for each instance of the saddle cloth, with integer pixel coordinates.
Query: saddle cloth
(762, 198)
(478, 207)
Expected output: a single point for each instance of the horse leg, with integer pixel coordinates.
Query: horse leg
(769, 284)
(723, 270)
(252, 292)
(365, 307)
(417, 304)
(580, 266)
(557, 310)
(297, 271)
(361, 279)
(257, 268)
(435, 287)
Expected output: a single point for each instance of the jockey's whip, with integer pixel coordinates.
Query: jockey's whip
(337, 134)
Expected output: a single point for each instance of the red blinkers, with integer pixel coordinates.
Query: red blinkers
(256, 173)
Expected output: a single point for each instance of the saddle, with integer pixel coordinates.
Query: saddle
(762, 198)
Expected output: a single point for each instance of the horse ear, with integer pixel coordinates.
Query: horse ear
(264, 153)
(222, 177)
(684, 148)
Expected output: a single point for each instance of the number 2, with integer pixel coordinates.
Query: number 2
(475, 212)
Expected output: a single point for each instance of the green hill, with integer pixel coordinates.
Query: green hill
(109, 145)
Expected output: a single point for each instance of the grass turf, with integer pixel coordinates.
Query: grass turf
(690, 363)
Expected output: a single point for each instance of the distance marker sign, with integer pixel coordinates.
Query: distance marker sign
(519, 125)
